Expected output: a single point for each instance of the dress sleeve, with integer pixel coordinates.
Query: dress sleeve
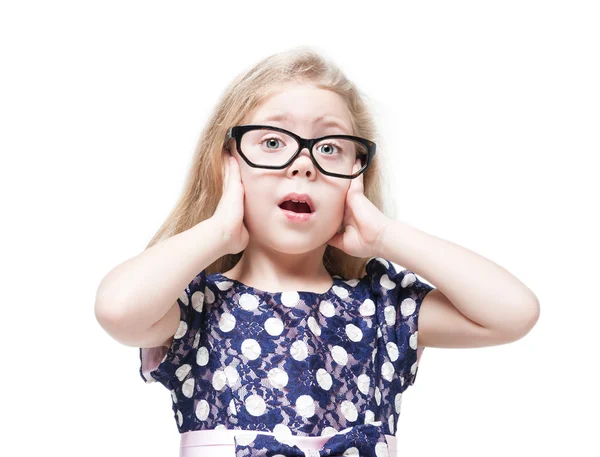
(401, 294)
(164, 364)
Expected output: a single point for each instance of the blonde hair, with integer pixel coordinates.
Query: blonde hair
(203, 185)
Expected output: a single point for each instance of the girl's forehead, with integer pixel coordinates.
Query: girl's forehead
(286, 119)
(307, 94)
(304, 104)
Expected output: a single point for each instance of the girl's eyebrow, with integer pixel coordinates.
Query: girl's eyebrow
(327, 121)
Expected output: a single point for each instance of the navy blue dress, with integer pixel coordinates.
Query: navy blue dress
(247, 359)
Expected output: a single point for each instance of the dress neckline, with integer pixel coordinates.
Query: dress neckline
(329, 292)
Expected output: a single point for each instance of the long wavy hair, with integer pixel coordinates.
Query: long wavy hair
(203, 184)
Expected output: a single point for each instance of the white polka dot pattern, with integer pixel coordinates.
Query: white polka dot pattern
(366, 440)
(294, 362)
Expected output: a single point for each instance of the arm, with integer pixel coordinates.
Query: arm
(476, 301)
(136, 301)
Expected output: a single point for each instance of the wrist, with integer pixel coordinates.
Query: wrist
(380, 242)
(212, 231)
(219, 234)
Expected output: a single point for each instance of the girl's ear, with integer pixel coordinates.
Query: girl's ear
(227, 146)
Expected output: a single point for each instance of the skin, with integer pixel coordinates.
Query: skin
(283, 255)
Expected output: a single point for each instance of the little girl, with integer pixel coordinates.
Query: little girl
(297, 336)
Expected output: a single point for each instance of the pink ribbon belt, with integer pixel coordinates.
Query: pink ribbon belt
(364, 440)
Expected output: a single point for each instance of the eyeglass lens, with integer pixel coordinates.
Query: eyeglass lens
(273, 148)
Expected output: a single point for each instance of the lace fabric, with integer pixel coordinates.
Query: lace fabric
(292, 362)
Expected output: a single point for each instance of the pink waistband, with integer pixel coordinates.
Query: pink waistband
(192, 443)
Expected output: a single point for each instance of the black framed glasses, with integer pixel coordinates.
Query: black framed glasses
(265, 146)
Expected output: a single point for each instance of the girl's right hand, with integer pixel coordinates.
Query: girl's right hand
(229, 213)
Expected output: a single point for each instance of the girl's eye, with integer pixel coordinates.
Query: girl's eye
(329, 145)
(272, 141)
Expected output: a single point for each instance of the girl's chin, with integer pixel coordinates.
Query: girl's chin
(293, 243)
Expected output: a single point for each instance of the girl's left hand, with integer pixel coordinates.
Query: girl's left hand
(364, 223)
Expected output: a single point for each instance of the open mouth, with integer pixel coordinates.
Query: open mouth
(296, 207)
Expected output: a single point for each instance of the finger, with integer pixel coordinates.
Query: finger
(226, 177)
(235, 169)
(357, 183)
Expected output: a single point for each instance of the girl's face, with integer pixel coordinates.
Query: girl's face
(264, 189)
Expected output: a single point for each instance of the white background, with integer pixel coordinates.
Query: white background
(490, 113)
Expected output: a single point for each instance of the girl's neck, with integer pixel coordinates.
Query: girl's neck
(264, 272)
